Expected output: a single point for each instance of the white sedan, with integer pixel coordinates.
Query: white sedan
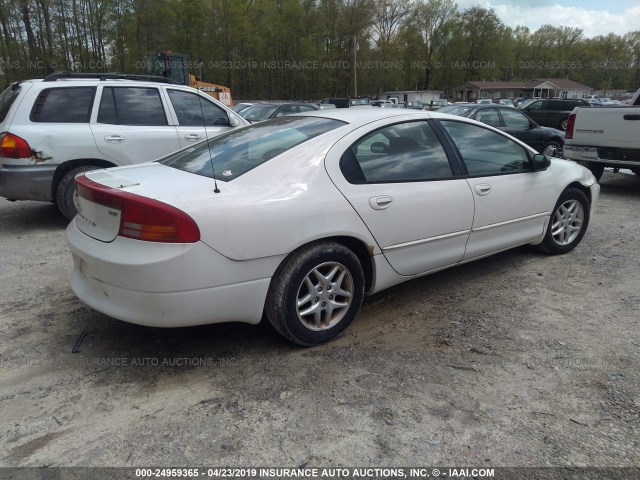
(300, 216)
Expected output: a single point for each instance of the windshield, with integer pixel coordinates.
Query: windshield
(460, 110)
(238, 151)
(7, 97)
(258, 113)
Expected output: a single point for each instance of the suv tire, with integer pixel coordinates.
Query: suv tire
(66, 192)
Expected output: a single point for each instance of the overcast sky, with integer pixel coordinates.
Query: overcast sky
(594, 17)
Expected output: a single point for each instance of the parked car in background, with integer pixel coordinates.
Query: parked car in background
(346, 102)
(296, 218)
(338, 102)
(548, 141)
(264, 111)
(506, 101)
(519, 101)
(438, 103)
(327, 106)
(383, 104)
(551, 112)
(360, 102)
(415, 105)
(241, 106)
(484, 101)
(54, 129)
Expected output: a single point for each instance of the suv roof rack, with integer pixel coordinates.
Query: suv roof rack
(108, 76)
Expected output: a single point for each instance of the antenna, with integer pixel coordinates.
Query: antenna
(206, 135)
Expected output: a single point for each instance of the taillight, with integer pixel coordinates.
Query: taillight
(12, 146)
(141, 218)
(571, 121)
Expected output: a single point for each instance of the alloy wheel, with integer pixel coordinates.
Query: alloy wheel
(567, 222)
(324, 296)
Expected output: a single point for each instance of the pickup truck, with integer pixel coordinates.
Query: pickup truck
(599, 137)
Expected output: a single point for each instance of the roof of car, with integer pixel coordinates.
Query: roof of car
(366, 115)
(54, 80)
(278, 102)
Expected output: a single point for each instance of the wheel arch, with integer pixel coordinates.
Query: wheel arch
(67, 166)
(363, 252)
(356, 245)
(582, 188)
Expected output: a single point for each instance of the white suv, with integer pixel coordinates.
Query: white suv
(53, 129)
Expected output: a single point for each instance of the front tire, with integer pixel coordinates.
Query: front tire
(66, 192)
(568, 223)
(316, 293)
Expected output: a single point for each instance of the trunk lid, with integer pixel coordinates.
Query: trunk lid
(101, 220)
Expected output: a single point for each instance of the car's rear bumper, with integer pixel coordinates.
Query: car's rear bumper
(26, 182)
(167, 285)
(614, 157)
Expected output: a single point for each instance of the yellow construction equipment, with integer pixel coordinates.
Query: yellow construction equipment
(176, 67)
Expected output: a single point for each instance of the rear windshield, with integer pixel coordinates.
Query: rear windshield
(7, 97)
(238, 151)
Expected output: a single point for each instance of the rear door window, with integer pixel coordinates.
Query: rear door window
(405, 152)
(63, 105)
(515, 119)
(190, 108)
(131, 106)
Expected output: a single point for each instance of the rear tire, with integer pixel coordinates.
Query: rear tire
(66, 192)
(552, 149)
(568, 223)
(563, 124)
(316, 293)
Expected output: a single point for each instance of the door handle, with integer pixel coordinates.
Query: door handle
(380, 203)
(631, 117)
(482, 188)
(192, 137)
(114, 139)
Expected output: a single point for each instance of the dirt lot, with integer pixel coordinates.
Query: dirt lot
(518, 360)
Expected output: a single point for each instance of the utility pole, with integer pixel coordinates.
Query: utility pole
(355, 64)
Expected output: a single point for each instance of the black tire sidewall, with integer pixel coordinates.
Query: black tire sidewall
(66, 190)
(300, 268)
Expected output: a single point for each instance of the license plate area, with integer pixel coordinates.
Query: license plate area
(97, 221)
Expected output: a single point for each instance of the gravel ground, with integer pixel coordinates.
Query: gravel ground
(520, 359)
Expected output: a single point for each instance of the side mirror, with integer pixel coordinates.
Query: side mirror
(233, 121)
(379, 147)
(540, 162)
(532, 125)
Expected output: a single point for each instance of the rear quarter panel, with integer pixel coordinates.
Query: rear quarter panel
(276, 207)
